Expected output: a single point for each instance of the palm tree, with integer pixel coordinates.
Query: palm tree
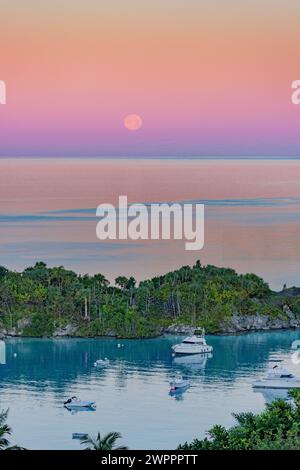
(5, 432)
(108, 442)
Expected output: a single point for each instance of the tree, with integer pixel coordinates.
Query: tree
(108, 442)
(121, 281)
(5, 432)
(45, 299)
(101, 280)
(276, 428)
(3, 272)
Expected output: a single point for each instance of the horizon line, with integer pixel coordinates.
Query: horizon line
(154, 157)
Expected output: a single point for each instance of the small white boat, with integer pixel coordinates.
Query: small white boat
(195, 344)
(75, 403)
(179, 382)
(278, 377)
(101, 362)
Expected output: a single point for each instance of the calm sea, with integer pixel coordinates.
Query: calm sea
(132, 393)
(252, 214)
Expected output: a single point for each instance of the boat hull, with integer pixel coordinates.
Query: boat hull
(277, 384)
(179, 350)
(80, 405)
(183, 385)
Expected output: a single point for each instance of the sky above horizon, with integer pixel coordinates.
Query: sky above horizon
(252, 223)
(206, 78)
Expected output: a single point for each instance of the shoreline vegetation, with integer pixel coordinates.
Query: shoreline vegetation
(56, 302)
(275, 428)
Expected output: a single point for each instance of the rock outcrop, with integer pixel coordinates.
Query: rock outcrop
(179, 330)
(68, 330)
(257, 322)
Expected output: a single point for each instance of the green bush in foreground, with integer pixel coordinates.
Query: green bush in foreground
(5, 432)
(276, 428)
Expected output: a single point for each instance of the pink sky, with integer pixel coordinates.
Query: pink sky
(207, 78)
(261, 235)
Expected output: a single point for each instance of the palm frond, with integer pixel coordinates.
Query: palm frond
(108, 442)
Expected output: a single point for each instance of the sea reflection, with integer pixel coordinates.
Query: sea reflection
(250, 225)
(271, 394)
(132, 391)
(192, 363)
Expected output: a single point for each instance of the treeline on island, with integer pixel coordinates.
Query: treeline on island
(44, 301)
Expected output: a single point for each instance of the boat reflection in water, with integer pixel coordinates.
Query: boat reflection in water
(193, 362)
(271, 394)
(178, 393)
(78, 409)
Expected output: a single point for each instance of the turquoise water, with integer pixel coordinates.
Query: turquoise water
(132, 393)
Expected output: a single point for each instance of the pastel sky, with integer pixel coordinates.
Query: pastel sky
(208, 78)
(48, 212)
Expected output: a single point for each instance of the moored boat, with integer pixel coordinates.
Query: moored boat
(179, 382)
(279, 378)
(75, 403)
(195, 344)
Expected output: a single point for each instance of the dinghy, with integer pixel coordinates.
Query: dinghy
(75, 403)
(178, 383)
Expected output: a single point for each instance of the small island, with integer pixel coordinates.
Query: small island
(55, 302)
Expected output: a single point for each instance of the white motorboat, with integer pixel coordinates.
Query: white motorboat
(195, 344)
(75, 403)
(179, 382)
(278, 377)
(101, 362)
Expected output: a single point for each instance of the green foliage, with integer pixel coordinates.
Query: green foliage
(271, 311)
(3, 272)
(48, 298)
(5, 432)
(41, 325)
(295, 306)
(106, 443)
(276, 428)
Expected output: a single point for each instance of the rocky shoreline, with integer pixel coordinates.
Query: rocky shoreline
(237, 324)
(244, 324)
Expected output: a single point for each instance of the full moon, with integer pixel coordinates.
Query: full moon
(133, 122)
